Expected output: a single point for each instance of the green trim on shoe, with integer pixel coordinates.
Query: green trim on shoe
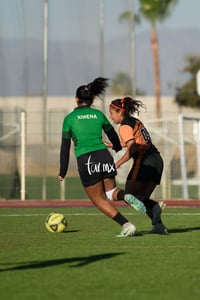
(128, 229)
(135, 203)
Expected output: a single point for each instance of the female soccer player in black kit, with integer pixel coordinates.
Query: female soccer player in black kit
(147, 166)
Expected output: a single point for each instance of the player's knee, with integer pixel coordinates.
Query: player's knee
(109, 194)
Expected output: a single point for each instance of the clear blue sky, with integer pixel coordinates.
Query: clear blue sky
(79, 19)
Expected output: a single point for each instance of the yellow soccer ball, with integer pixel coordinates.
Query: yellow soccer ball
(56, 222)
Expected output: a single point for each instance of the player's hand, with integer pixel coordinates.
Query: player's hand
(108, 144)
(60, 178)
(117, 165)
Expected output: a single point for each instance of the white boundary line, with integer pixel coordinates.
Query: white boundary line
(93, 214)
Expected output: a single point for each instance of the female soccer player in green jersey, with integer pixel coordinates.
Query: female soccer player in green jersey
(96, 166)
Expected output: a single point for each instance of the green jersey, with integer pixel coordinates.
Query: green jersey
(84, 125)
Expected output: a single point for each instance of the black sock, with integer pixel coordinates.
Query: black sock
(120, 219)
(120, 195)
(148, 203)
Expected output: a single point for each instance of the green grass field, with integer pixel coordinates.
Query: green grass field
(88, 261)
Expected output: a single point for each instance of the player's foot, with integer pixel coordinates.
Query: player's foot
(159, 229)
(128, 229)
(135, 203)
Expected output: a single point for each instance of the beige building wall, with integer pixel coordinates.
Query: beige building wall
(35, 104)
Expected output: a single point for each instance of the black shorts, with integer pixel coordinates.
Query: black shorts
(96, 166)
(148, 169)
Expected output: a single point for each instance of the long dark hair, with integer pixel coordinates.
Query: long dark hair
(128, 105)
(87, 93)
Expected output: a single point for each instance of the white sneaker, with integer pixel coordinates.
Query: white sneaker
(128, 229)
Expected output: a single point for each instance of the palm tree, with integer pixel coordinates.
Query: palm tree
(187, 94)
(121, 84)
(156, 11)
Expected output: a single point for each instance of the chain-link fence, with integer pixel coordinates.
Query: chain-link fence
(41, 162)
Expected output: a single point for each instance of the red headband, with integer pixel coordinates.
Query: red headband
(118, 107)
(115, 106)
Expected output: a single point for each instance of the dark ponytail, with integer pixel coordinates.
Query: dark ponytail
(96, 88)
(127, 105)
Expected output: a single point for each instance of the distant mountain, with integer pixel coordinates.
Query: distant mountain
(74, 63)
